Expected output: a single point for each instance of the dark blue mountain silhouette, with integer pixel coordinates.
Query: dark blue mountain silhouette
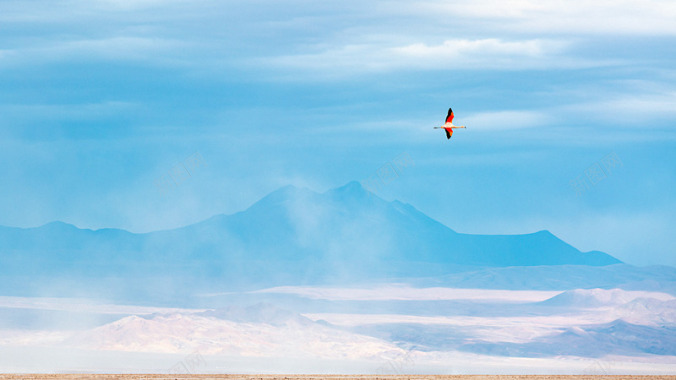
(291, 236)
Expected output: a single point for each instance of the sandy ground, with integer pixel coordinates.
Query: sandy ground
(331, 377)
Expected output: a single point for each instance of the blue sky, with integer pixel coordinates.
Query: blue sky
(101, 100)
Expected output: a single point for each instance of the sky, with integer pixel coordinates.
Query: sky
(147, 115)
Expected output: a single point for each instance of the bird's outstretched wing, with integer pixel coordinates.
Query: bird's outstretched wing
(449, 117)
(449, 131)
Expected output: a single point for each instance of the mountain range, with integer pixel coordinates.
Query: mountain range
(341, 278)
(291, 236)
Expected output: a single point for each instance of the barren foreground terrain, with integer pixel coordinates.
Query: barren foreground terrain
(334, 377)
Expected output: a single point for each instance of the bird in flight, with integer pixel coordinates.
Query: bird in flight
(448, 126)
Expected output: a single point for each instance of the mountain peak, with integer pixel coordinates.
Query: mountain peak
(282, 194)
(353, 186)
(351, 190)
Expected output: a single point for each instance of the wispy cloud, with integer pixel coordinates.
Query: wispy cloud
(637, 109)
(64, 111)
(346, 39)
(623, 17)
(405, 292)
(506, 120)
(453, 54)
(119, 48)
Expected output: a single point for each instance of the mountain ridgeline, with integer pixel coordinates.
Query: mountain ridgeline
(291, 236)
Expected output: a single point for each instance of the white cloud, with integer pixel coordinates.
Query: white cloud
(130, 5)
(488, 53)
(458, 48)
(505, 120)
(484, 34)
(576, 17)
(345, 39)
(632, 109)
(75, 12)
(121, 48)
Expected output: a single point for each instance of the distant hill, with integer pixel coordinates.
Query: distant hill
(291, 236)
(558, 277)
(618, 337)
(592, 298)
(270, 332)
